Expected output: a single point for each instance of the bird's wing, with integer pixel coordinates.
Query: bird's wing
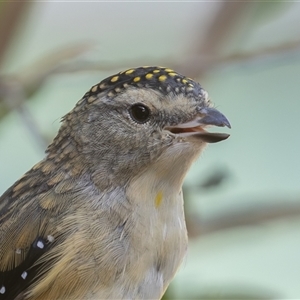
(28, 229)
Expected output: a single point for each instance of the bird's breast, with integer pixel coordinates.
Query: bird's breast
(159, 239)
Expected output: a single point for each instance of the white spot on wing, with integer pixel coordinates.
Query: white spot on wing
(2, 290)
(40, 244)
(50, 238)
(24, 275)
(18, 251)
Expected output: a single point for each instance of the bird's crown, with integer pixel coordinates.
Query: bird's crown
(159, 79)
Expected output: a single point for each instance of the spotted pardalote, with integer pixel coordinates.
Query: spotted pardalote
(101, 216)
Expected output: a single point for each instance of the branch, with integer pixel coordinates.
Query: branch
(249, 216)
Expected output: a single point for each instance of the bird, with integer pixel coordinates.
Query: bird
(101, 216)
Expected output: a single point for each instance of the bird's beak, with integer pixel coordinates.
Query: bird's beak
(205, 117)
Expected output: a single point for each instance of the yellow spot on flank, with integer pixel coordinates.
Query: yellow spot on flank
(149, 76)
(136, 79)
(158, 199)
(156, 71)
(129, 71)
(169, 70)
(162, 78)
(114, 79)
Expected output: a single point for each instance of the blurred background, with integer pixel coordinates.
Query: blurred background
(242, 195)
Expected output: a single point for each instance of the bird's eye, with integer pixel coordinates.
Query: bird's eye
(139, 113)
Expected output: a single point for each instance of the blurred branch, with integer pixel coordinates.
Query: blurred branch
(197, 66)
(221, 28)
(249, 216)
(10, 15)
(34, 77)
(16, 90)
(31, 79)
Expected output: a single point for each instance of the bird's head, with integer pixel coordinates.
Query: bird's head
(139, 118)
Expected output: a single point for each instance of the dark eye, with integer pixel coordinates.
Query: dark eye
(139, 113)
